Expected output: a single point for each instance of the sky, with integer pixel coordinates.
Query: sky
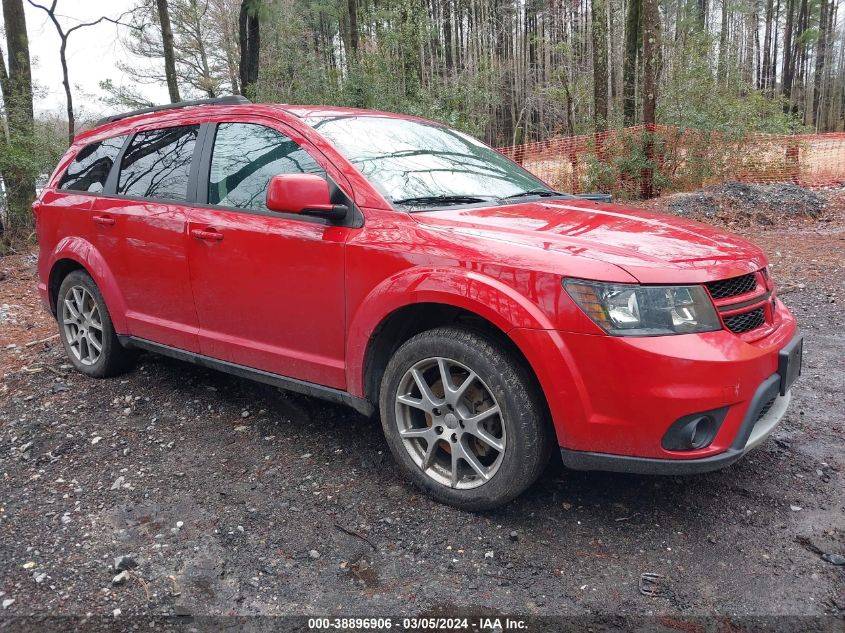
(92, 52)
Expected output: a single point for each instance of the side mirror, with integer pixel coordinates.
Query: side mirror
(304, 194)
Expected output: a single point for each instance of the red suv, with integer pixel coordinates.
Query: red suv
(401, 267)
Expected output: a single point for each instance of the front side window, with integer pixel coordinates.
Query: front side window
(91, 167)
(158, 163)
(246, 156)
(415, 164)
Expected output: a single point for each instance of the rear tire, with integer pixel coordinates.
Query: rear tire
(86, 329)
(464, 419)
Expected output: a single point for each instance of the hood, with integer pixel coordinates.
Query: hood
(652, 247)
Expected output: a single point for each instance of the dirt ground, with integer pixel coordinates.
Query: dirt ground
(235, 498)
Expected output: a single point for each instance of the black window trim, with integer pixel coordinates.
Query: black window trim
(200, 171)
(111, 180)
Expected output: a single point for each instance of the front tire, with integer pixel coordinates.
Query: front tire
(86, 329)
(463, 418)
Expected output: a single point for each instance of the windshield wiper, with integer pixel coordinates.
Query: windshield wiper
(444, 199)
(536, 192)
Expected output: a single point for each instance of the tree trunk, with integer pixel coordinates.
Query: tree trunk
(821, 52)
(629, 70)
(700, 15)
(4, 95)
(651, 58)
(651, 71)
(17, 95)
(169, 55)
(773, 67)
(4, 138)
(722, 70)
(196, 26)
(352, 5)
(788, 64)
(599, 32)
(799, 55)
(71, 119)
(750, 27)
(249, 34)
(447, 34)
(764, 71)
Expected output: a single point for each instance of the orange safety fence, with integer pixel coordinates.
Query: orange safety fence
(642, 161)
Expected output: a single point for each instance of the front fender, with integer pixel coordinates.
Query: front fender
(480, 294)
(86, 255)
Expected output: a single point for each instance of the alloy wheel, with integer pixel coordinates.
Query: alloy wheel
(450, 423)
(82, 325)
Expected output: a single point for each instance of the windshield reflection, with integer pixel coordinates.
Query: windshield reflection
(418, 165)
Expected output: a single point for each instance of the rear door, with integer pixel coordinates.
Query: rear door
(69, 206)
(269, 287)
(142, 228)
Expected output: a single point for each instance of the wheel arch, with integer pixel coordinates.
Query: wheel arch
(409, 320)
(61, 269)
(78, 254)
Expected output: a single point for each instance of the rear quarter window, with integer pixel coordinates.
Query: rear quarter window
(91, 167)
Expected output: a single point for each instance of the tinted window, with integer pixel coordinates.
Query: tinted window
(157, 163)
(245, 157)
(91, 167)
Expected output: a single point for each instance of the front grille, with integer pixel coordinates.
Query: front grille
(766, 408)
(733, 286)
(746, 321)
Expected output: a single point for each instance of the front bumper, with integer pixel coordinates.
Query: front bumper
(765, 412)
(612, 399)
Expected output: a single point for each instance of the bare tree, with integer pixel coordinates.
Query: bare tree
(226, 47)
(250, 40)
(651, 77)
(204, 36)
(352, 8)
(821, 60)
(651, 59)
(629, 72)
(4, 89)
(169, 54)
(64, 34)
(191, 25)
(599, 32)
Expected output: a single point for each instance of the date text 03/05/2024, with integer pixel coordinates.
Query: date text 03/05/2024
(486, 624)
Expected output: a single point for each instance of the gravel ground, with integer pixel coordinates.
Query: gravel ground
(232, 498)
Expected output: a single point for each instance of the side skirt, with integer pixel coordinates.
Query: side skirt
(361, 405)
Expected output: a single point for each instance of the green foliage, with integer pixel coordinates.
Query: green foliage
(28, 158)
(625, 163)
(385, 76)
(693, 98)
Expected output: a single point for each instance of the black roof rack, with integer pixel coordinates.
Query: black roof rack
(232, 100)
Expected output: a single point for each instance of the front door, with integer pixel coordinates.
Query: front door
(268, 287)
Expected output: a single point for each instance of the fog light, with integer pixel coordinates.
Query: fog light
(702, 431)
(693, 432)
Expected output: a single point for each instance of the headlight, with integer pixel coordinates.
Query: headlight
(632, 310)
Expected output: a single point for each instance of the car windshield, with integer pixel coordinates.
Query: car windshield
(420, 166)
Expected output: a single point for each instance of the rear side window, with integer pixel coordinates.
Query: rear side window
(157, 163)
(245, 157)
(91, 167)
